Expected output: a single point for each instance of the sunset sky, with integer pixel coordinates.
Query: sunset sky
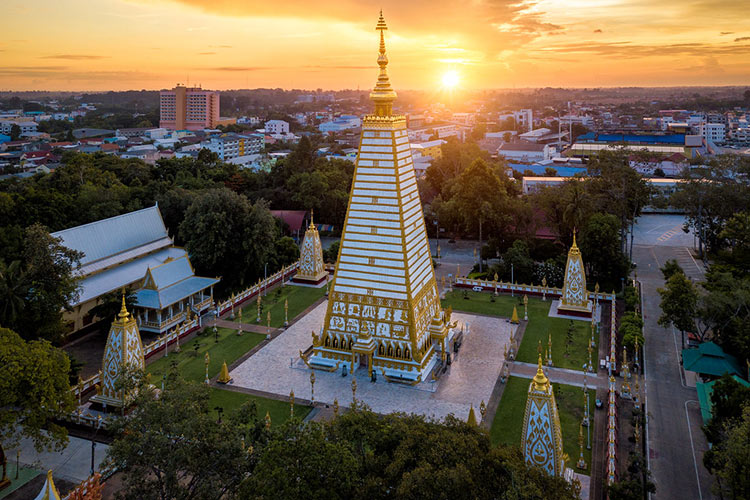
(224, 44)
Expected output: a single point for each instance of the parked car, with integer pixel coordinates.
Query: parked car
(477, 288)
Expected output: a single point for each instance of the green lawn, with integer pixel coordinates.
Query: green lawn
(299, 297)
(508, 423)
(539, 327)
(192, 367)
(278, 410)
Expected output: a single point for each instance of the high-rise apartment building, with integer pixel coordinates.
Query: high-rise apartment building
(188, 108)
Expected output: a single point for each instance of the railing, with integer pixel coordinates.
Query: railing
(507, 287)
(257, 288)
(612, 400)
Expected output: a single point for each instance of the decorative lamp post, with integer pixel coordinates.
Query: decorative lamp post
(544, 288)
(354, 391)
(482, 409)
(177, 342)
(268, 324)
(525, 307)
(206, 361)
(511, 281)
(166, 345)
(581, 462)
(80, 389)
(257, 320)
(291, 403)
(591, 364)
(458, 271)
(231, 315)
(475, 255)
(286, 312)
(216, 335)
(549, 351)
(283, 275)
(335, 408)
(93, 442)
(495, 283)
(312, 387)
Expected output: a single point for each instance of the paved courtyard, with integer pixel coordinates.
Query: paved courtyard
(277, 368)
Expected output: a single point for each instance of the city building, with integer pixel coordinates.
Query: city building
(524, 119)
(432, 149)
(229, 146)
(343, 122)
(277, 127)
(525, 152)
(714, 132)
(27, 127)
(383, 312)
(190, 108)
(134, 251)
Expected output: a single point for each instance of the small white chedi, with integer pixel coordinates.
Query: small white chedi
(311, 266)
(575, 297)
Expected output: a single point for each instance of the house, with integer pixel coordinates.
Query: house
(134, 250)
(525, 152)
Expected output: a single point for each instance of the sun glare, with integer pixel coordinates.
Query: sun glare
(450, 79)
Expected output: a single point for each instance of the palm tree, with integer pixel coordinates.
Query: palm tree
(13, 291)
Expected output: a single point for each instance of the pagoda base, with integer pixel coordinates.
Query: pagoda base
(105, 403)
(393, 371)
(557, 310)
(310, 280)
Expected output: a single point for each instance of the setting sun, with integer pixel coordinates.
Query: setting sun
(450, 79)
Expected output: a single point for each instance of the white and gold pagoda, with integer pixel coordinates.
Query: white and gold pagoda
(49, 490)
(541, 441)
(575, 298)
(384, 311)
(124, 351)
(311, 267)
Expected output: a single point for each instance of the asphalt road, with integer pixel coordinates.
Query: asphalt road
(675, 439)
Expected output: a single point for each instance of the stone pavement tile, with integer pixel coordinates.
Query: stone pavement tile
(276, 368)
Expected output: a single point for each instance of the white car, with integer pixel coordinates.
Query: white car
(477, 288)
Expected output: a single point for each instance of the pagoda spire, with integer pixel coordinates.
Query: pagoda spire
(383, 94)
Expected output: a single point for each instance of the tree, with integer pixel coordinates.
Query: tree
(15, 132)
(286, 252)
(736, 233)
(174, 447)
(52, 285)
(110, 303)
(229, 237)
(679, 300)
(518, 263)
(480, 197)
(728, 398)
(601, 252)
(635, 483)
(631, 329)
(13, 291)
(34, 393)
(730, 460)
(671, 267)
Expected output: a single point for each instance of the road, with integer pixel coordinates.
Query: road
(675, 439)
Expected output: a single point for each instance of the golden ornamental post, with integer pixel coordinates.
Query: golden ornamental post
(354, 391)
(312, 387)
(335, 408)
(482, 409)
(268, 324)
(257, 301)
(525, 307)
(206, 361)
(544, 288)
(286, 312)
(291, 403)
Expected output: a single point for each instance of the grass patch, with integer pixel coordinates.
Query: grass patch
(192, 367)
(278, 410)
(539, 327)
(299, 297)
(508, 423)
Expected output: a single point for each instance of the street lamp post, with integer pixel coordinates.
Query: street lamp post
(511, 280)
(93, 441)
(312, 387)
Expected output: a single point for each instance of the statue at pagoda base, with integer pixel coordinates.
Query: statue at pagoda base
(124, 351)
(311, 266)
(575, 297)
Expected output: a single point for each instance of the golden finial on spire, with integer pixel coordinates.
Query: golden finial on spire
(382, 95)
(123, 315)
(574, 238)
(541, 382)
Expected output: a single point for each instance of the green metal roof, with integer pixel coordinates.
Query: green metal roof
(710, 359)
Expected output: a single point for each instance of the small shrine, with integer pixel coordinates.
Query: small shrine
(124, 350)
(541, 441)
(311, 267)
(575, 298)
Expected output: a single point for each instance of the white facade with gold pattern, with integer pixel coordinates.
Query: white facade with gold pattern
(124, 350)
(541, 441)
(384, 310)
(311, 266)
(575, 297)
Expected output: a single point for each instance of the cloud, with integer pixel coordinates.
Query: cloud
(197, 28)
(241, 68)
(742, 39)
(74, 57)
(630, 50)
(727, 33)
(206, 53)
(598, 31)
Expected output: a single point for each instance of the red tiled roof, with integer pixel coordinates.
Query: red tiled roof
(295, 219)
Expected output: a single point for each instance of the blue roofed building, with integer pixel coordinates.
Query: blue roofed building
(127, 251)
